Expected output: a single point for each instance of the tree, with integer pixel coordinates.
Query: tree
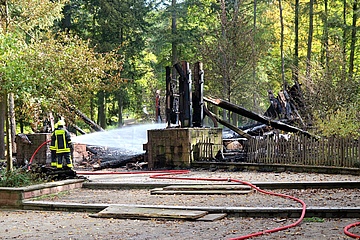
(57, 70)
(310, 38)
(115, 26)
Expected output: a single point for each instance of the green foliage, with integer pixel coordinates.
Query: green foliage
(342, 123)
(33, 16)
(18, 178)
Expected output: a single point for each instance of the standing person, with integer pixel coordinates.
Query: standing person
(62, 142)
(158, 118)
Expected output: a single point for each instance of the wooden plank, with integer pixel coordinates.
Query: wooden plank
(205, 192)
(212, 217)
(208, 187)
(115, 211)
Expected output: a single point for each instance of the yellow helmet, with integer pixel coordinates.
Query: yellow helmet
(61, 123)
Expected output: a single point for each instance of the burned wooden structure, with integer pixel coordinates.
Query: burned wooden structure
(185, 107)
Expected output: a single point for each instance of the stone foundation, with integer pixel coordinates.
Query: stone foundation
(178, 147)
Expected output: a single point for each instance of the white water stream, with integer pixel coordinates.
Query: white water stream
(128, 139)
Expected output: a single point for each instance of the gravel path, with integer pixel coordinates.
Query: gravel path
(64, 225)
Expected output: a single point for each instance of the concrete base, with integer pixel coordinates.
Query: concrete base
(178, 147)
(13, 197)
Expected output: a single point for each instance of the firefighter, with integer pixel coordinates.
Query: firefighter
(63, 146)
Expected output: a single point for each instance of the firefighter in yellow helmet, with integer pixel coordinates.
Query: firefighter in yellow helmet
(61, 139)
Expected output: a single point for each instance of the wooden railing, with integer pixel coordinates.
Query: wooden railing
(301, 150)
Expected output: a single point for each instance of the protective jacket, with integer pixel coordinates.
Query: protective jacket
(61, 140)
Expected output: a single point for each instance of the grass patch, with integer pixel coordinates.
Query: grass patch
(313, 219)
(53, 196)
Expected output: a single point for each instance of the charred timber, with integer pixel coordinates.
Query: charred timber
(254, 116)
(211, 116)
(78, 129)
(121, 161)
(230, 126)
(87, 120)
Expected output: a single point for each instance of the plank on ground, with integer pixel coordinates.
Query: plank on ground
(212, 217)
(208, 187)
(114, 211)
(200, 192)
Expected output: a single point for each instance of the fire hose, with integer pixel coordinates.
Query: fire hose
(167, 175)
(33, 156)
(346, 230)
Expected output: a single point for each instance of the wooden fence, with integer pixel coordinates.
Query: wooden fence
(301, 150)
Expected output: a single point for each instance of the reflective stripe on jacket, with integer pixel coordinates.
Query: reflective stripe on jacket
(62, 140)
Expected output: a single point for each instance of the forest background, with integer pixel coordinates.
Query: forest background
(106, 58)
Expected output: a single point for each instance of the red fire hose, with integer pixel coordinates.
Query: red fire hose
(32, 157)
(346, 230)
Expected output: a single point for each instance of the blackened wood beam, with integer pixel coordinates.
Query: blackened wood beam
(230, 126)
(257, 117)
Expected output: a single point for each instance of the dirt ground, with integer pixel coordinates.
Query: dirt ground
(76, 225)
(64, 225)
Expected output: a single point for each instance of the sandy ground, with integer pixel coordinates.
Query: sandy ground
(65, 225)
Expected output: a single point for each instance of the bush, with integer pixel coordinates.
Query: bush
(18, 178)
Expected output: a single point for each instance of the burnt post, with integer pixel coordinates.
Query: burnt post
(171, 112)
(185, 106)
(198, 101)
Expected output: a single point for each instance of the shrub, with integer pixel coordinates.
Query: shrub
(18, 178)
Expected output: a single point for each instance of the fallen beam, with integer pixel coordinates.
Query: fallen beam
(230, 126)
(257, 117)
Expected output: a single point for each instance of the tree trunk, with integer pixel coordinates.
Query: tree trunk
(9, 163)
(120, 111)
(353, 40)
(344, 40)
(325, 41)
(2, 126)
(12, 121)
(296, 45)
(310, 37)
(254, 54)
(92, 110)
(282, 45)
(101, 109)
(223, 60)
(174, 41)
